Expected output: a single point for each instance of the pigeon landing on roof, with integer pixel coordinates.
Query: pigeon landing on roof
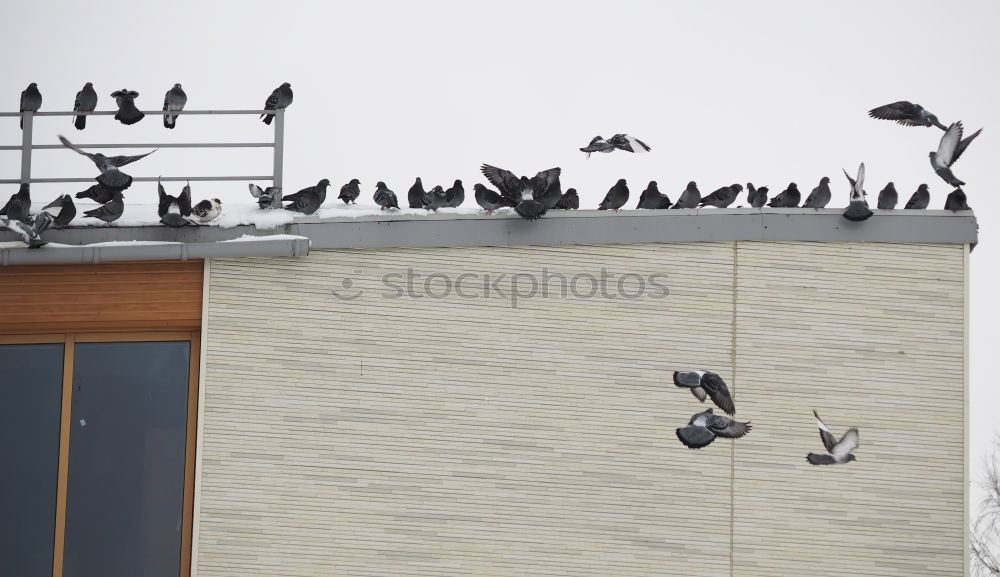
(704, 427)
(530, 196)
(820, 196)
(414, 197)
(722, 197)
(109, 211)
(177, 204)
(788, 198)
(269, 197)
(652, 198)
(757, 197)
(309, 199)
(384, 197)
(206, 211)
(62, 210)
(455, 195)
(173, 101)
(857, 210)
(920, 198)
(491, 200)
(618, 141)
(616, 198)
(569, 201)
(110, 176)
(31, 100)
(86, 101)
(279, 99)
(906, 113)
(949, 150)
(704, 383)
(956, 201)
(350, 192)
(888, 197)
(689, 198)
(127, 111)
(839, 451)
(18, 205)
(29, 233)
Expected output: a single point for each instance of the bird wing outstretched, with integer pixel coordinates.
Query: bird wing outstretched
(718, 391)
(628, 143)
(76, 149)
(950, 140)
(184, 200)
(903, 112)
(847, 443)
(505, 181)
(726, 427)
(824, 433)
(543, 180)
(963, 144)
(120, 161)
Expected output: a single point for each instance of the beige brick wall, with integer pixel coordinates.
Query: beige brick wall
(467, 437)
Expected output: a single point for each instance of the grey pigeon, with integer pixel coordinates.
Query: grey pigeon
(530, 196)
(757, 197)
(384, 197)
(950, 148)
(434, 199)
(704, 383)
(857, 210)
(888, 197)
(110, 176)
(616, 198)
(618, 141)
(173, 101)
(722, 197)
(690, 197)
(269, 197)
(62, 210)
(350, 192)
(127, 112)
(704, 427)
(569, 201)
(109, 211)
(956, 201)
(18, 206)
(206, 210)
(652, 198)
(455, 195)
(838, 451)
(28, 232)
(788, 198)
(820, 196)
(920, 198)
(416, 194)
(552, 195)
(309, 199)
(31, 100)
(279, 99)
(491, 200)
(86, 101)
(167, 203)
(98, 193)
(906, 113)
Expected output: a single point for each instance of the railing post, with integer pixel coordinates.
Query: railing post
(26, 128)
(279, 145)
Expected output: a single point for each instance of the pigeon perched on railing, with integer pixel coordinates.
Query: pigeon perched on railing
(949, 150)
(127, 112)
(704, 427)
(704, 383)
(616, 198)
(906, 113)
(788, 198)
(98, 193)
(29, 233)
(689, 198)
(269, 197)
(309, 199)
(920, 198)
(956, 201)
(384, 197)
(618, 141)
(857, 210)
(18, 206)
(109, 211)
(86, 101)
(722, 197)
(350, 192)
(279, 99)
(62, 209)
(491, 200)
(173, 101)
(110, 176)
(434, 199)
(31, 100)
(530, 196)
(820, 196)
(169, 203)
(206, 211)
(455, 195)
(888, 197)
(570, 200)
(414, 197)
(839, 451)
(757, 197)
(652, 198)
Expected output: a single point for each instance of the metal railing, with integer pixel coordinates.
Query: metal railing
(27, 146)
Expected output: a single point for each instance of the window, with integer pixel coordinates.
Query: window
(98, 432)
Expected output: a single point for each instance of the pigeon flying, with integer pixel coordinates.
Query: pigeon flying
(455, 195)
(384, 197)
(279, 99)
(86, 101)
(906, 113)
(309, 199)
(920, 199)
(350, 192)
(956, 201)
(690, 197)
(269, 197)
(173, 101)
(757, 197)
(62, 209)
(109, 211)
(839, 451)
(98, 193)
(722, 197)
(857, 210)
(110, 176)
(206, 210)
(526, 194)
(888, 197)
(704, 427)
(569, 201)
(18, 205)
(652, 198)
(127, 111)
(820, 196)
(491, 200)
(704, 383)
(949, 150)
(618, 141)
(31, 100)
(416, 194)
(616, 198)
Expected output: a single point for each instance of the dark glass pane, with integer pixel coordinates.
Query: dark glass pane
(126, 464)
(30, 393)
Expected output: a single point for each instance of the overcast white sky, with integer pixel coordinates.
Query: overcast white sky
(767, 91)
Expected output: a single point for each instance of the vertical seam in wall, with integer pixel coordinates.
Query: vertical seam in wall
(966, 249)
(196, 509)
(732, 444)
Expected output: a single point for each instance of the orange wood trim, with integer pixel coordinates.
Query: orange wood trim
(62, 478)
(130, 337)
(31, 328)
(32, 339)
(190, 451)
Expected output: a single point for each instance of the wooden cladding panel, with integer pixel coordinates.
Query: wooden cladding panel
(102, 296)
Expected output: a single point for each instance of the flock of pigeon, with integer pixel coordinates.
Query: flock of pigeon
(705, 426)
(530, 198)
